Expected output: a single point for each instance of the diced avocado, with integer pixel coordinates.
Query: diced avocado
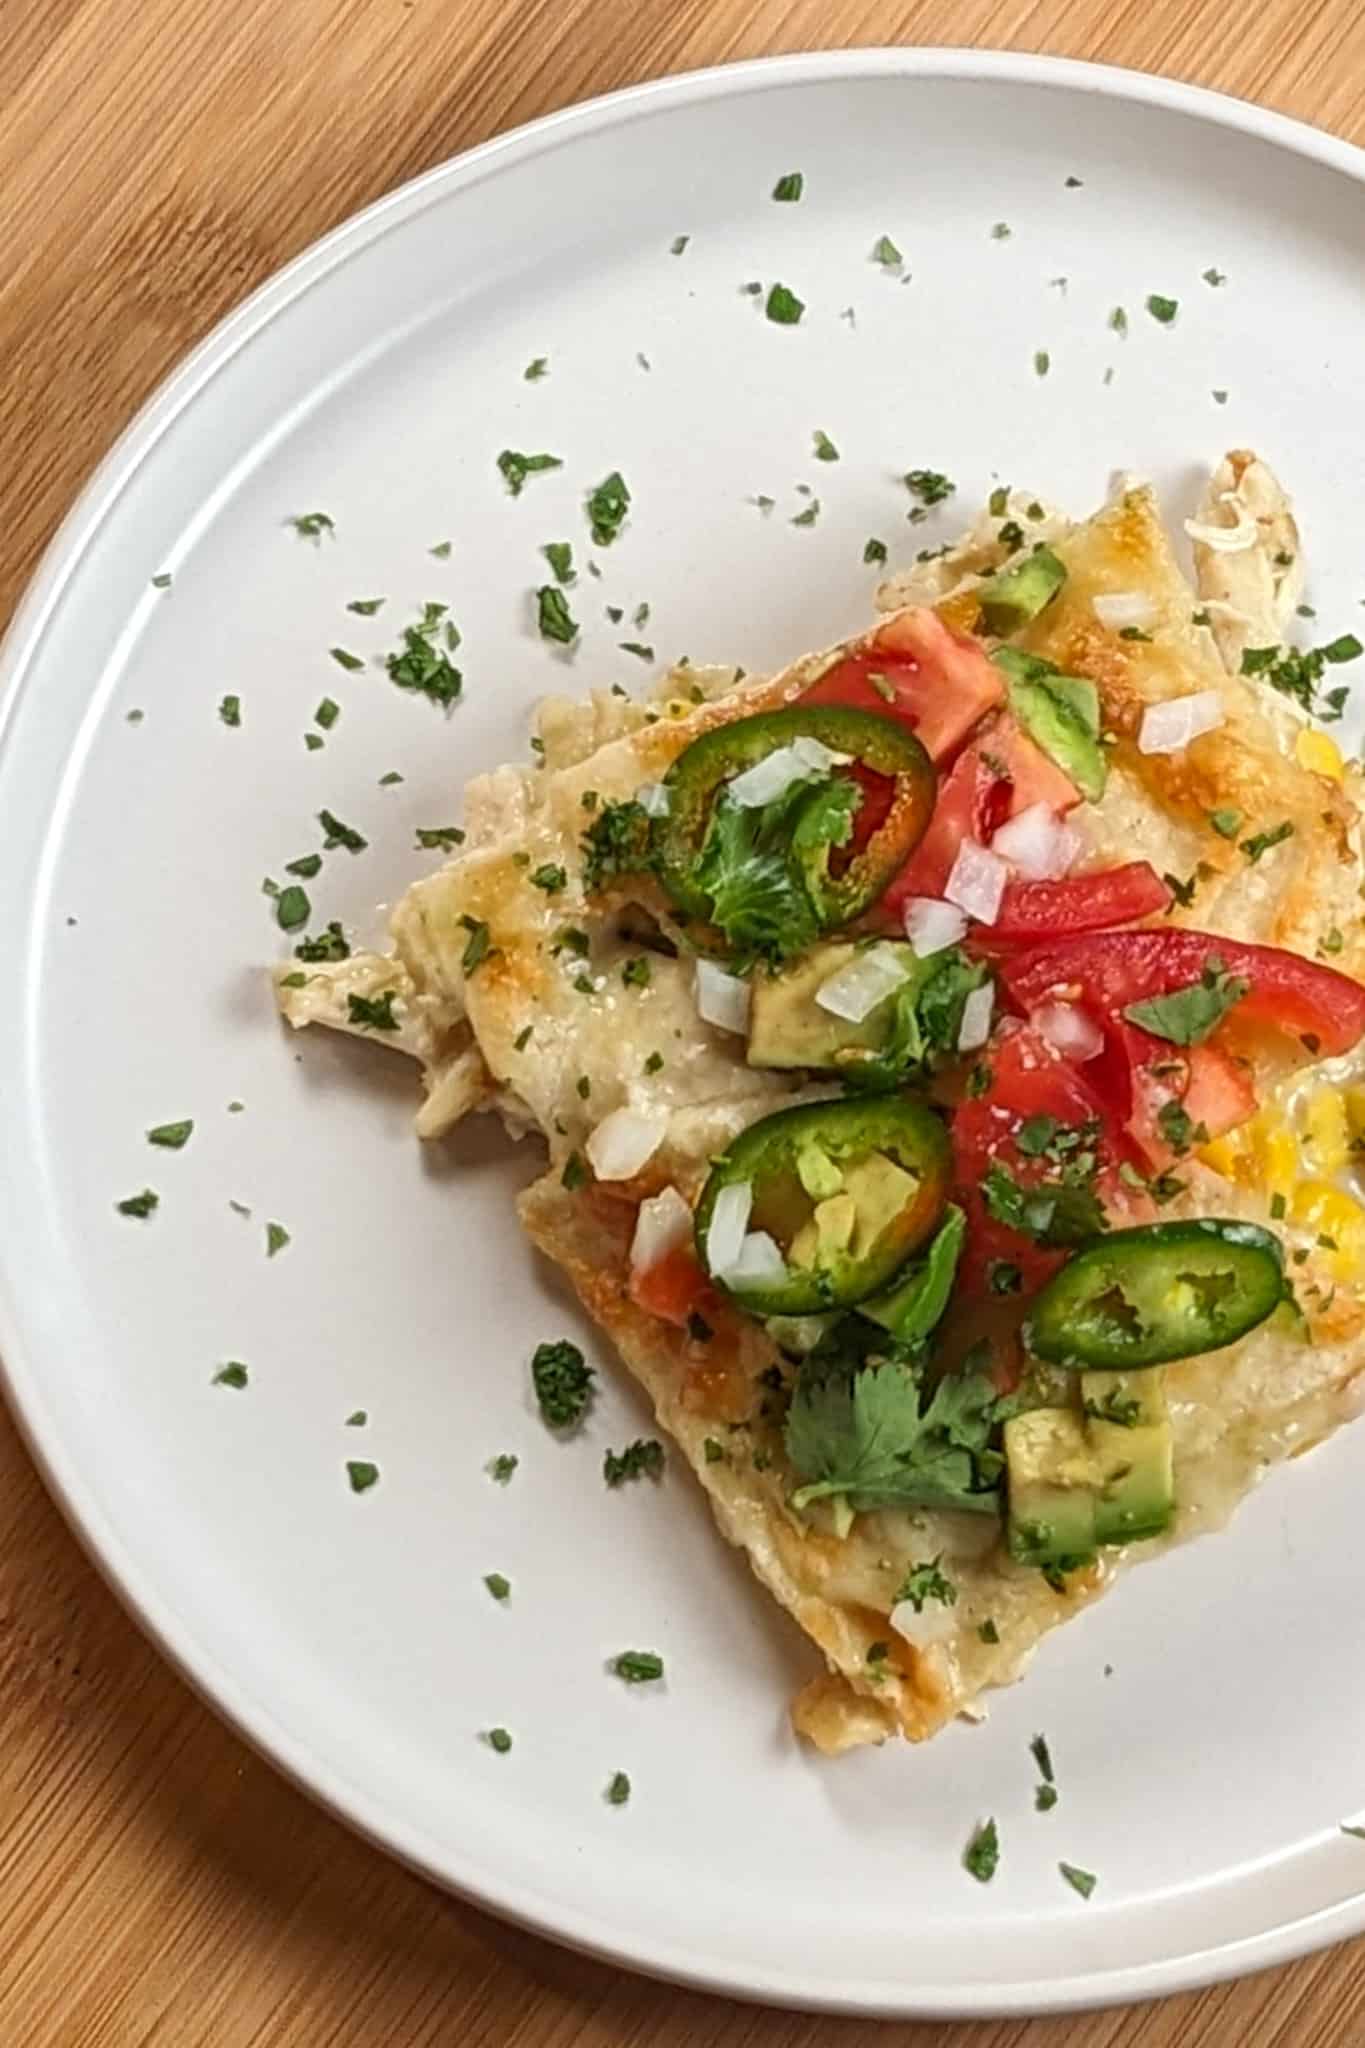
(1060, 714)
(875, 1192)
(787, 1027)
(1051, 1474)
(1130, 1437)
(1015, 595)
(817, 1173)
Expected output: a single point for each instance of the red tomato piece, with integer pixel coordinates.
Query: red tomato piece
(1107, 971)
(1029, 1078)
(1000, 774)
(1077, 903)
(940, 684)
(1138, 1076)
(673, 1288)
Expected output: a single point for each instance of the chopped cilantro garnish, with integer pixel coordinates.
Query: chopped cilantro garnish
(357, 1419)
(637, 648)
(1042, 362)
(1118, 320)
(636, 972)
(618, 1789)
(173, 1136)
(523, 1038)
(1213, 277)
(328, 945)
(607, 508)
(783, 306)
(982, 1855)
(327, 713)
(790, 186)
(292, 908)
(562, 1382)
(501, 1468)
(559, 555)
(366, 606)
(345, 659)
(1044, 1798)
(825, 450)
(616, 843)
(1220, 397)
(1042, 1756)
(874, 551)
(713, 1452)
(499, 1739)
(337, 834)
(1179, 1129)
(678, 244)
(305, 867)
(550, 877)
(1162, 310)
(1186, 1016)
(476, 946)
(372, 1013)
(1134, 633)
(446, 837)
(516, 467)
(642, 1459)
(583, 1085)
(1331, 942)
(139, 1205)
(575, 1174)
(1296, 672)
(1261, 842)
(988, 1632)
(1278, 1208)
(1056, 1212)
(1082, 1881)
(498, 1586)
(925, 1582)
(312, 525)
(276, 1238)
(885, 252)
(1227, 823)
(884, 1440)
(419, 663)
(929, 486)
(233, 1374)
(809, 516)
(313, 740)
(230, 710)
(441, 550)
(1072, 183)
(553, 616)
(1001, 232)
(362, 1474)
(1183, 892)
(163, 581)
(638, 1667)
(295, 980)
(536, 369)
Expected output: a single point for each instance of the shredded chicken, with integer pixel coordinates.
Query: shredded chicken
(1248, 561)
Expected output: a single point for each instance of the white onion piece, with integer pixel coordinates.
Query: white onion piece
(1226, 540)
(933, 1624)
(868, 979)
(1038, 844)
(1121, 608)
(1168, 728)
(977, 882)
(722, 999)
(931, 925)
(653, 799)
(759, 1264)
(663, 1223)
(975, 1027)
(624, 1141)
(1068, 1030)
(774, 775)
(729, 1221)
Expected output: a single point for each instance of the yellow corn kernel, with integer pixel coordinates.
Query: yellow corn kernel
(1322, 755)
(1328, 1140)
(1355, 1111)
(1225, 1156)
(1318, 1206)
(1278, 1156)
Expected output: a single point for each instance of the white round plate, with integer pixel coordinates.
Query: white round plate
(1204, 1721)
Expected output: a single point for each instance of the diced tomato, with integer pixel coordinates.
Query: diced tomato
(1138, 1076)
(1028, 1078)
(674, 1287)
(1106, 972)
(1000, 774)
(940, 684)
(1094, 902)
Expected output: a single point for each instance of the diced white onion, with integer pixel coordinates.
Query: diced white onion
(933, 1624)
(1068, 1030)
(624, 1140)
(653, 799)
(977, 882)
(931, 925)
(774, 775)
(867, 980)
(1119, 608)
(1168, 728)
(722, 999)
(729, 1221)
(760, 1263)
(663, 1223)
(975, 1027)
(1038, 844)
(1226, 540)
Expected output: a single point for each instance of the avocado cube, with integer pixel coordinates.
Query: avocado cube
(1130, 1438)
(787, 1027)
(1051, 1476)
(1015, 595)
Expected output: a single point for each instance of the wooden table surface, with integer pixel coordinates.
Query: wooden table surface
(158, 158)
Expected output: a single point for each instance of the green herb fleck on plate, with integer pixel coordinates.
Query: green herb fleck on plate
(553, 616)
(230, 710)
(173, 1136)
(344, 658)
(825, 450)
(562, 1382)
(536, 369)
(607, 507)
(559, 555)
(327, 713)
(362, 1474)
(618, 1789)
(498, 1739)
(337, 834)
(498, 1586)
(233, 1374)
(516, 467)
(139, 1205)
(885, 252)
(789, 186)
(292, 908)
(642, 1459)
(366, 606)
(783, 307)
(1082, 1881)
(312, 525)
(1162, 310)
(982, 1855)
(501, 1468)
(276, 1238)
(638, 1667)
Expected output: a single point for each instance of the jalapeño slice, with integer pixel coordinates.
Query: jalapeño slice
(845, 1190)
(893, 793)
(1160, 1292)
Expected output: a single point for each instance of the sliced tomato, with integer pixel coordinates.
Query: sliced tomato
(674, 1287)
(1028, 1078)
(1000, 774)
(940, 685)
(1095, 902)
(1107, 971)
(1140, 1077)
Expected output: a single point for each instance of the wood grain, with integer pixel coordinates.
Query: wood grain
(159, 1884)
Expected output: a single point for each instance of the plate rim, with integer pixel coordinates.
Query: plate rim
(20, 1377)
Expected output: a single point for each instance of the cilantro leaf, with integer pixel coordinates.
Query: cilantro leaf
(142, 1205)
(372, 1013)
(783, 307)
(638, 1667)
(559, 555)
(337, 834)
(872, 1436)
(926, 1582)
(607, 508)
(173, 1136)
(233, 1374)
(982, 1856)
(230, 710)
(790, 186)
(553, 616)
(328, 945)
(616, 843)
(477, 946)
(362, 1474)
(1261, 842)
(1055, 1212)
(516, 467)
(618, 1789)
(1296, 672)
(757, 898)
(1187, 1015)
(562, 1382)
(929, 486)
(1082, 1881)
(642, 1459)
(885, 252)
(1162, 310)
